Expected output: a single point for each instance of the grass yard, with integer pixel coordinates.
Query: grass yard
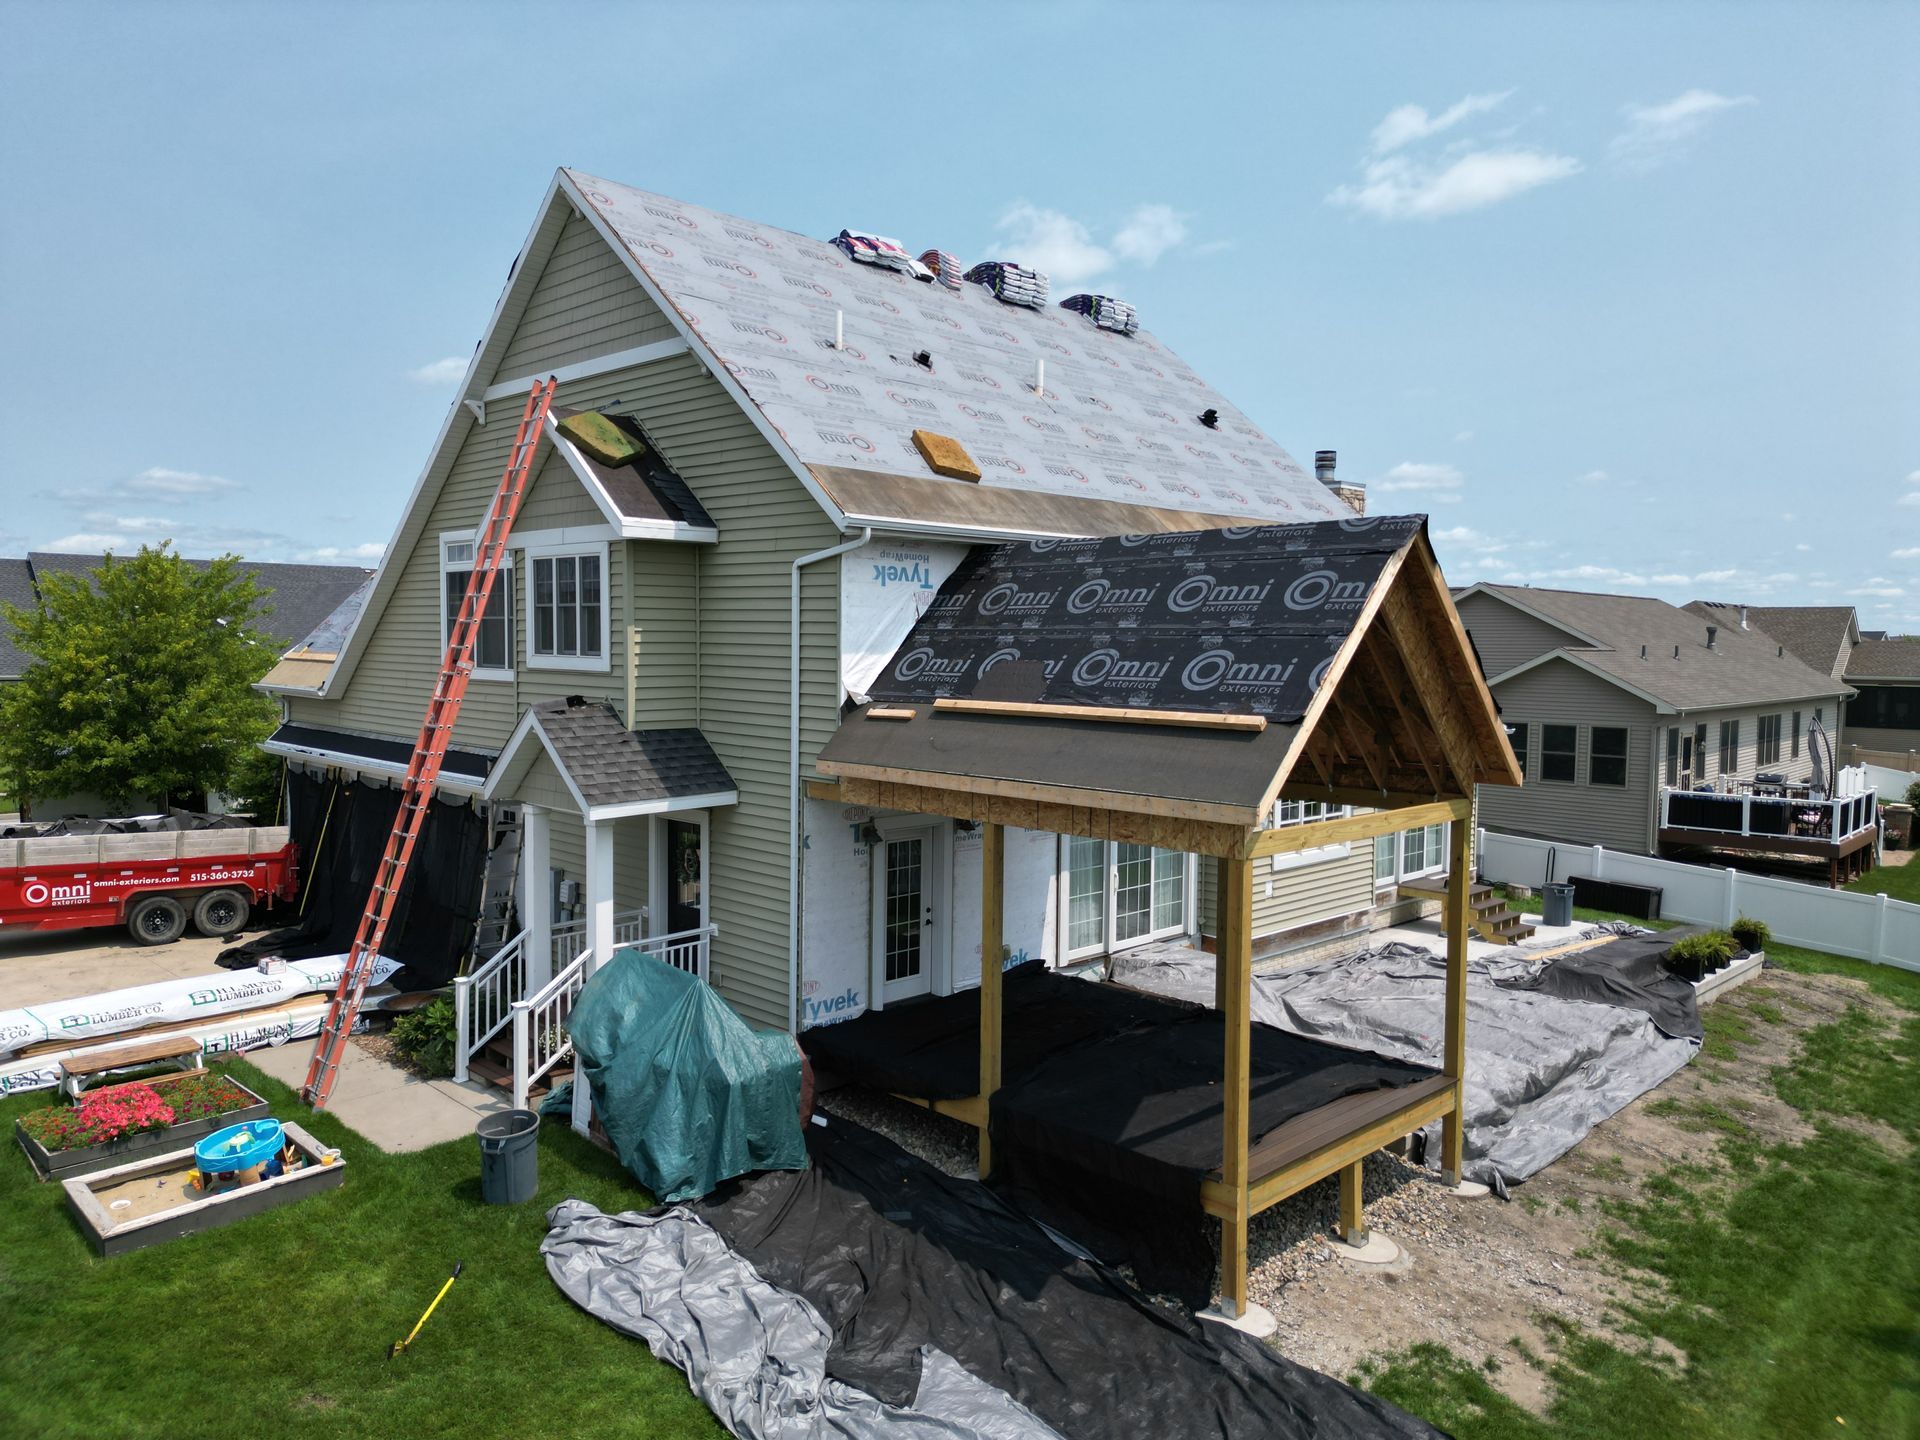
(283, 1320)
(1899, 882)
(1789, 1275)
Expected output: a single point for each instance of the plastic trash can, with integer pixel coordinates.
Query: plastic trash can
(1556, 904)
(509, 1157)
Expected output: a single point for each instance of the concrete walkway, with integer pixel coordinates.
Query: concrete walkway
(1427, 933)
(387, 1106)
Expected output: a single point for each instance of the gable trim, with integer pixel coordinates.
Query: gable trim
(1482, 587)
(581, 370)
(1660, 707)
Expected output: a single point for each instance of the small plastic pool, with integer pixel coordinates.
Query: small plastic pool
(238, 1147)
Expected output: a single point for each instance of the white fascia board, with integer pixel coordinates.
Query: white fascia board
(623, 525)
(665, 806)
(965, 534)
(703, 352)
(306, 692)
(1492, 593)
(669, 530)
(453, 431)
(588, 369)
(1661, 707)
(464, 784)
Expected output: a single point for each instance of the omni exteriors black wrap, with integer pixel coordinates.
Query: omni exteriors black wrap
(1236, 620)
(895, 1256)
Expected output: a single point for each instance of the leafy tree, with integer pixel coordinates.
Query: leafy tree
(140, 681)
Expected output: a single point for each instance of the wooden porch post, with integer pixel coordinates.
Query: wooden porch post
(1234, 969)
(992, 948)
(1459, 881)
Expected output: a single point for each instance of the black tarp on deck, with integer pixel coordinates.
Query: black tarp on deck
(1109, 1115)
(896, 1256)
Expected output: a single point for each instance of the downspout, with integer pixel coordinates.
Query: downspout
(795, 828)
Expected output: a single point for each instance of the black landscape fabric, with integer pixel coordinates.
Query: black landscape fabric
(895, 1256)
(930, 1049)
(1626, 972)
(1240, 620)
(340, 828)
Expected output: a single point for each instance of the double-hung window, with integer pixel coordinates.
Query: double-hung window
(1306, 812)
(1558, 747)
(493, 638)
(1607, 755)
(1767, 738)
(567, 608)
(1729, 747)
(1796, 734)
(1119, 894)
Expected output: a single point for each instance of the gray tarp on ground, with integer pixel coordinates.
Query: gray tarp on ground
(754, 1353)
(1541, 1070)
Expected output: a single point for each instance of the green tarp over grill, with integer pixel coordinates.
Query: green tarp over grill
(687, 1092)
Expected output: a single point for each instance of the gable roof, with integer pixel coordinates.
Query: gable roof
(1820, 635)
(1897, 658)
(1679, 673)
(16, 588)
(1193, 675)
(296, 598)
(612, 771)
(1117, 419)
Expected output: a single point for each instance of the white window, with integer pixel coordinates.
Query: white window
(1118, 894)
(1305, 812)
(567, 608)
(493, 640)
(1409, 855)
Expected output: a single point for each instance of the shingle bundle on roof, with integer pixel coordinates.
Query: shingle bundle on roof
(1012, 283)
(881, 250)
(945, 267)
(1105, 311)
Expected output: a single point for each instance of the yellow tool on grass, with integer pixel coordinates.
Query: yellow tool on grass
(399, 1345)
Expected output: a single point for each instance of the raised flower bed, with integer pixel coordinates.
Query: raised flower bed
(123, 1123)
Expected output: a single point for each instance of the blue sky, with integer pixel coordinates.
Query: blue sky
(1626, 297)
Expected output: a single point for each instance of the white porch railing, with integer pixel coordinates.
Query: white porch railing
(540, 1038)
(684, 950)
(570, 939)
(483, 1001)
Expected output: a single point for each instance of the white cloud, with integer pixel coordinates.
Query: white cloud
(1419, 476)
(1150, 232)
(88, 542)
(439, 372)
(1656, 134)
(1673, 579)
(1803, 549)
(1400, 188)
(1406, 123)
(1911, 552)
(1593, 477)
(1474, 542)
(1462, 437)
(1057, 245)
(1882, 589)
(1912, 497)
(1714, 577)
(177, 484)
(345, 554)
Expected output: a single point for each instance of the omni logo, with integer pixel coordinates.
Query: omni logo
(999, 334)
(1044, 425)
(833, 387)
(755, 372)
(1104, 595)
(1105, 667)
(939, 319)
(40, 893)
(1067, 472)
(720, 262)
(1008, 598)
(1320, 588)
(1003, 462)
(597, 198)
(1103, 437)
(1094, 400)
(913, 402)
(747, 235)
(660, 213)
(1201, 452)
(847, 437)
(980, 377)
(854, 351)
(998, 657)
(1218, 670)
(1203, 592)
(886, 305)
(1319, 673)
(800, 282)
(993, 416)
(765, 332)
(922, 661)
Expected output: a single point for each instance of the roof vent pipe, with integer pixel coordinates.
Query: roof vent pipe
(1039, 377)
(839, 329)
(1676, 652)
(1643, 652)
(1743, 617)
(1713, 633)
(1323, 461)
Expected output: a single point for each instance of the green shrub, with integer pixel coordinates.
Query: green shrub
(1750, 933)
(425, 1036)
(1696, 956)
(1913, 794)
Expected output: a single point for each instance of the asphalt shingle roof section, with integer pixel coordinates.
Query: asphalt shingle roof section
(1816, 633)
(1117, 422)
(16, 588)
(612, 765)
(298, 598)
(1745, 667)
(647, 489)
(1894, 659)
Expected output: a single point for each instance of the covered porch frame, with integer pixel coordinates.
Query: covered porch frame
(1335, 1138)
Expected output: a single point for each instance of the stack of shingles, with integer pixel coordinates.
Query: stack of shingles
(881, 250)
(1105, 311)
(1015, 284)
(945, 268)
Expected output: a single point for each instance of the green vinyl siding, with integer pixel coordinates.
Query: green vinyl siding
(556, 500)
(586, 304)
(1288, 899)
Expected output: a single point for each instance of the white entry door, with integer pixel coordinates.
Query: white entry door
(908, 910)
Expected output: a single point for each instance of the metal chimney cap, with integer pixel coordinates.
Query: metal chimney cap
(1713, 633)
(1323, 463)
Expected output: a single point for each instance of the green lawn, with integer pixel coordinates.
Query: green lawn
(1793, 1287)
(283, 1320)
(1900, 882)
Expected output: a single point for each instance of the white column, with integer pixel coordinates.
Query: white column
(599, 892)
(536, 894)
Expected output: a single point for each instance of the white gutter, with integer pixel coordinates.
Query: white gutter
(795, 827)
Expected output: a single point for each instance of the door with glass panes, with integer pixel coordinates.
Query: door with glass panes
(1118, 894)
(908, 865)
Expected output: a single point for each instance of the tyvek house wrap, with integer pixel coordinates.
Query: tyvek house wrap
(1117, 419)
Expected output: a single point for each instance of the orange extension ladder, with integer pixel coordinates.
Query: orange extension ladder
(416, 794)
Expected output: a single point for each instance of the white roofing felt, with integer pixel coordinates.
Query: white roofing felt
(1117, 420)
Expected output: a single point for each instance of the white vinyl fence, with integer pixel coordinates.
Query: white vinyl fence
(1863, 927)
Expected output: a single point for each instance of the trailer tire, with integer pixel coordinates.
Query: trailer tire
(221, 913)
(157, 920)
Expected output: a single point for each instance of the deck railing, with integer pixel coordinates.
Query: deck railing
(483, 1001)
(1828, 819)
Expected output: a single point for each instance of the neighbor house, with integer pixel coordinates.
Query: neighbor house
(693, 597)
(1624, 710)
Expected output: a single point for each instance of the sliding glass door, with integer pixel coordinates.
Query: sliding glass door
(1119, 894)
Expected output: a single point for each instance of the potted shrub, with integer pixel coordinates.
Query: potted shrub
(1751, 934)
(123, 1122)
(1694, 957)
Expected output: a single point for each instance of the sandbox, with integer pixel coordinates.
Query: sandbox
(149, 1201)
